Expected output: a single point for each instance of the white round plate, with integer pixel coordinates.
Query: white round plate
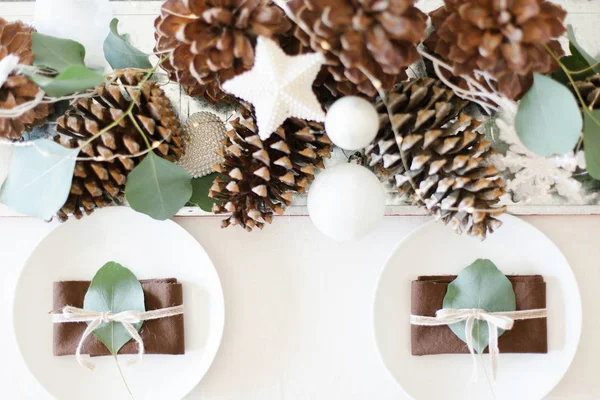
(151, 249)
(516, 248)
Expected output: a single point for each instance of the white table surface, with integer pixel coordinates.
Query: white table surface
(298, 308)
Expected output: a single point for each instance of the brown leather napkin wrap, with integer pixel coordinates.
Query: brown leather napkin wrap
(527, 336)
(160, 336)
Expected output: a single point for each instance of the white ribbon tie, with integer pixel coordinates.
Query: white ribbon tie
(126, 318)
(495, 321)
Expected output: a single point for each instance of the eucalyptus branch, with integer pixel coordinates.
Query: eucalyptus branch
(590, 68)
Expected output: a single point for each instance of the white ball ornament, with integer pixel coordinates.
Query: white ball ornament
(346, 202)
(352, 123)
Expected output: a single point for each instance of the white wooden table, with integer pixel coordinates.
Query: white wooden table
(298, 306)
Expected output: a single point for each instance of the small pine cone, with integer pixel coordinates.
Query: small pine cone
(213, 41)
(506, 39)
(448, 161)
(15, 38)
(379, 36)
(100, 183)
(590, 90)
(259, 178)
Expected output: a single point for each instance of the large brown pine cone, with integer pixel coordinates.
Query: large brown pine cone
(15, 38)
(213, 40)
(506, 39)
(380, 36)
(259, 178)
(448, 161)
(101, 183)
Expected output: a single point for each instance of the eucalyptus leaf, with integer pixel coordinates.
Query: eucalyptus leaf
(480, 285)
(200, 189)
(55, 53)
(75, 78)
(579, 52)
(120, 53)
(158, 188)
(591, 142)
(115, 289)
(38, 184)
(549, 120)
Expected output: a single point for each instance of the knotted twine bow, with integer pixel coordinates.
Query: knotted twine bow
(495, 321)
(126, 318)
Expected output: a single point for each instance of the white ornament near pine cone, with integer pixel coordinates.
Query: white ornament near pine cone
(279, 86)
(204, 132)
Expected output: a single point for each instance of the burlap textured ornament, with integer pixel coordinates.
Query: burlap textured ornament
(213, 40)
(203, 133)
(15, 39)
(379, 36)
(449, 170)
(505, 39)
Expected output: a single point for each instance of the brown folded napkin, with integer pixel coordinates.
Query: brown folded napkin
(527, 336)
(160, 336)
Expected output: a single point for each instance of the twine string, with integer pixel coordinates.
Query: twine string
(97, 318)
(495, 321)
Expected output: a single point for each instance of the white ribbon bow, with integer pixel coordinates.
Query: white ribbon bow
(495, 321)
(126, 318)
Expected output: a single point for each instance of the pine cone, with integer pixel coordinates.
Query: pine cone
(590, 90)
(259, 178)
(379, 36)
(506, 39)
(448, 160)
(214, 40)
(15, 38)
(100, 183)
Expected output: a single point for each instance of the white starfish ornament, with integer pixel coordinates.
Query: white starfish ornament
(279, 86)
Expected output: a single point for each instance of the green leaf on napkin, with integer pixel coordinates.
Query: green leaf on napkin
(158, 188)
(115, 289)
(120, 53)
(39, 179)
(549, 120)
(55, 53)
(480, 285)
